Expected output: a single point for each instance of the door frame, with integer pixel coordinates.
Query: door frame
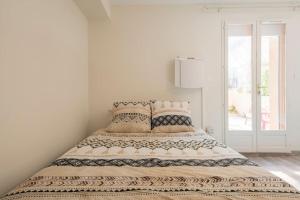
(257, 141)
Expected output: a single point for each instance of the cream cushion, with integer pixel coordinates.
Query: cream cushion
(130, 117)
(171, 116)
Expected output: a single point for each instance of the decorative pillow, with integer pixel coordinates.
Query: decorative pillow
(130, 117)
(171, 116)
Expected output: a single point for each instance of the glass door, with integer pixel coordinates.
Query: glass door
(255, 87)
(271, 87)
(240, 102)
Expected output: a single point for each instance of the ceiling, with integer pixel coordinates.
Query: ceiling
(201, 2)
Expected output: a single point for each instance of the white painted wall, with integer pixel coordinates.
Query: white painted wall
(131, 57)
(43, 84)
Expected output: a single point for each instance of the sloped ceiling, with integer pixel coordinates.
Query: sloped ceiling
(95, 9)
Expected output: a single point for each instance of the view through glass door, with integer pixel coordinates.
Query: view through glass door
(255, 94)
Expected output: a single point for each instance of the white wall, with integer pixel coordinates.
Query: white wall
(131, 57)
(43, 84)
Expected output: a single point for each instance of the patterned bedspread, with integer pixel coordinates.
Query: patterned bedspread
(146, 166)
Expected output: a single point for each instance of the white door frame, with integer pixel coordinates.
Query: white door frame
(255, 140)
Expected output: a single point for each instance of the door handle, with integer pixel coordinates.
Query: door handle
(259, 89)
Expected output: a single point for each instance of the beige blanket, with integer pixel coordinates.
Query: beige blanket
(152, 166)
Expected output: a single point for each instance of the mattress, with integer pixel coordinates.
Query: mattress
(123, 166)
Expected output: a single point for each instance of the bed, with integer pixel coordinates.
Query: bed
(122, 166)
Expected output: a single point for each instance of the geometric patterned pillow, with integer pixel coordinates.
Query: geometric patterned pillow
(130, 117)
(171, 117)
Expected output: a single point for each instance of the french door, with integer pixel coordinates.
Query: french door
(255, 86)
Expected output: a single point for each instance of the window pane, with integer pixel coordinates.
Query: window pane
(239, 81)
(272, 90)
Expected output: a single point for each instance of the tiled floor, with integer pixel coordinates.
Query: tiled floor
(286, 167)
